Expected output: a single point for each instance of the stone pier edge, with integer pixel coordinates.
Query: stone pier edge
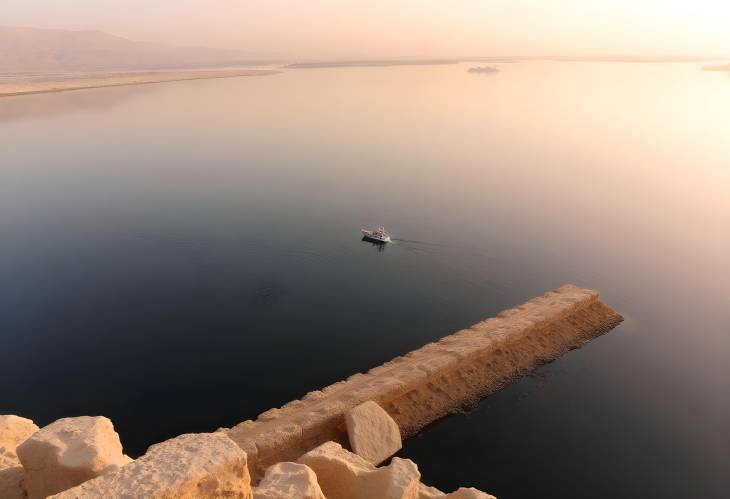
(435, 380)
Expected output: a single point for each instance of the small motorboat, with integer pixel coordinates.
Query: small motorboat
(379, 235)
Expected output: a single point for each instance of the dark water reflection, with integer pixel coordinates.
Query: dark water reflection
(185, 258)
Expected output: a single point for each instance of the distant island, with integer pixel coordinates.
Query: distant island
(725, 67)
(483, 69)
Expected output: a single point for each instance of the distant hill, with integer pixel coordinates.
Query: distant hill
(33, 49)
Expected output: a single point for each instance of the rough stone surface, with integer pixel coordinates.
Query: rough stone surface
(435, 380)
(10, 482)
(288, 481)
(198, 465)
(426, 492)
(14, 430)
(469, 493)
(68, 452)
(337, 470)
(373, 434)
(400, 480)
(344, 475)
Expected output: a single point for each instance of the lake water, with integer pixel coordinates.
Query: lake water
(184, 256)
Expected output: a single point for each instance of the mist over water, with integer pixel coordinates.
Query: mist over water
(184, 256)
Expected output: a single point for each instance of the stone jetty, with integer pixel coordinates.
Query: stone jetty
(326, 445)
(437, 379)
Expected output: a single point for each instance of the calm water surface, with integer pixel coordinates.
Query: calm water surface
(183, 256)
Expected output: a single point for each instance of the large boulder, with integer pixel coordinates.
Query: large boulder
(11, 478)
(373, 434)
(14, 430)
(338, 471)
(344, 475)
(68, 452)
(287, 481)
(399, 480)
(198, 465)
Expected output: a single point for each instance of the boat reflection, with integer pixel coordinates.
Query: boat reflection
(379, 246)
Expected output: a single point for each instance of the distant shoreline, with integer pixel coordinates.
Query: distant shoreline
(37, 83)
(494, 60)
(373, 63)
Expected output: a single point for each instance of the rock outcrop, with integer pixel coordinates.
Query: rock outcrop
(68, 452)
(373, 434)
(203, 465)
(14, 430)
(433, 381)
(287, 481)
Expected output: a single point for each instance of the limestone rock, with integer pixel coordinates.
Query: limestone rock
(469, 493)
(426, 492)
(373, 434)
(69, 452)
(198, 465)
(14, 430)
(338, 471)
(344, 475)
(288, 481)
(400, 479)
(10, 482)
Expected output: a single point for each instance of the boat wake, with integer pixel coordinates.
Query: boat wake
(417, 246)
(414, 241)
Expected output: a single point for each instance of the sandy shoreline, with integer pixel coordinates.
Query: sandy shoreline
(35, 83)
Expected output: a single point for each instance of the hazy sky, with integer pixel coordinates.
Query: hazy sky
(372, 28)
